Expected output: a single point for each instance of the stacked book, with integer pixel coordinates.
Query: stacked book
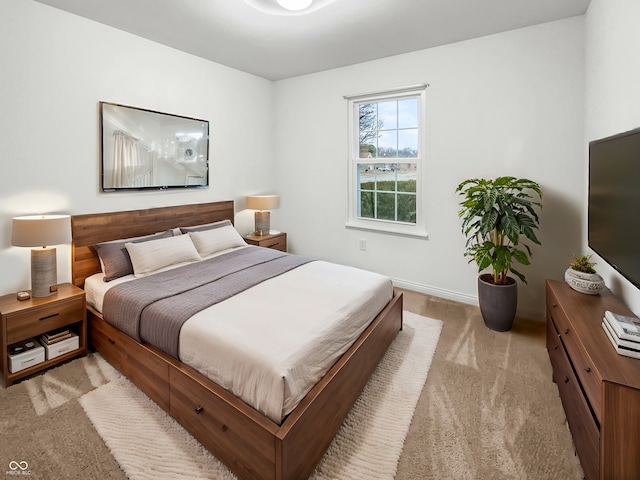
(624, 333)
(56, 336)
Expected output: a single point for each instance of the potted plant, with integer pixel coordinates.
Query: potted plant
(496, 214)
(582, 277)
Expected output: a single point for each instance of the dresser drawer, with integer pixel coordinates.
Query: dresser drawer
(591, 382)
(33, 322)
(589, 377)
(554, 347)
(584, 429)
(554, 311)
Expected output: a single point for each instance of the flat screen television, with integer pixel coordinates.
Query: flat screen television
(144, 149)
(614, 202)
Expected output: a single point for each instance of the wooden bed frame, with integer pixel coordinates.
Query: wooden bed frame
(250, 444)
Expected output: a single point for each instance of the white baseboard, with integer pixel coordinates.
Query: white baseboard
(435, 291)
(459, 297)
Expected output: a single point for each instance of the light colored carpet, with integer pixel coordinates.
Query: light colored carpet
(42, 424)
(148, 444)
(488, 410)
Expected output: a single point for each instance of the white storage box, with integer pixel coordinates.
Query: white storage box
(63, 346)
(26, 359)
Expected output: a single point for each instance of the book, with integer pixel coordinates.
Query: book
(56, 333)
(619, 341)
(626, 327)
(56, 339)
(629, 352)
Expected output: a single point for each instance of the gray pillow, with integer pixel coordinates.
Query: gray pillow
(206, 226)
(114, 256)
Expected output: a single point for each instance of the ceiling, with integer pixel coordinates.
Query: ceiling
(343, 32)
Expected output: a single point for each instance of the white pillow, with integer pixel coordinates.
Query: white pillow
(208, 242)
(153, 255)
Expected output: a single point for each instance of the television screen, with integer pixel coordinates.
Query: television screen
(143, 149)
(614, 202)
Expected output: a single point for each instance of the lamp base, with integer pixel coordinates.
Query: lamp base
(44, 272)
(262, 222)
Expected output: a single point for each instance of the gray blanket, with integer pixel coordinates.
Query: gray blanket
(154, 308)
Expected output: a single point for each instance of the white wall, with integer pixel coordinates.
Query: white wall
(56, 67)
(612, 42)
(507, 104)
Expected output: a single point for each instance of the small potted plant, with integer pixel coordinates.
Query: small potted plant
(582, 277)
(498, 217)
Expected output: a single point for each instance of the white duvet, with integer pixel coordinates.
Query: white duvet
(270, 344)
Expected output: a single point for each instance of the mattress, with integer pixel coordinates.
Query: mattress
(270, 344)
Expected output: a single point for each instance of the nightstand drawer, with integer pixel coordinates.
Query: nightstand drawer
(277, 243)
(32, 322)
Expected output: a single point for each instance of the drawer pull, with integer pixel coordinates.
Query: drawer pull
(111, 341)
(566, 379)
(49, 316)
(199, 409)
(588, 369)
(566, 331)
(224, 428)
(555, 347)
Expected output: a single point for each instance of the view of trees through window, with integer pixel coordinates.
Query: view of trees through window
(388, 142)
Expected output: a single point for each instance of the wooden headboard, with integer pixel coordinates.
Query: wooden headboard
(89, 229)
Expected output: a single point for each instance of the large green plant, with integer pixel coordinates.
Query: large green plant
(495, 215)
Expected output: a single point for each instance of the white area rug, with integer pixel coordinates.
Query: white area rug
(149, 444)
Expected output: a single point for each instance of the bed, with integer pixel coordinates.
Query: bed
(251, 443)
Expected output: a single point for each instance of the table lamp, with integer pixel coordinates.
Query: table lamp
(42, 231)
(262, 217)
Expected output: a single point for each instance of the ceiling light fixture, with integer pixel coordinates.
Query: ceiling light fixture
(288, 7)
(295, 5)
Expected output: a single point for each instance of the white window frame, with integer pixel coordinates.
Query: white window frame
(419, 228)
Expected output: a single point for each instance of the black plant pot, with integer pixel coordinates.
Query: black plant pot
(498, 303)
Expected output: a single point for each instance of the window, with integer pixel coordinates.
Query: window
(386, 161)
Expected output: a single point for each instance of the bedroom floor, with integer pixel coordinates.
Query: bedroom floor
(489, 409)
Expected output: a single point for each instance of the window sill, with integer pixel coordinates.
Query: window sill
(403, 230)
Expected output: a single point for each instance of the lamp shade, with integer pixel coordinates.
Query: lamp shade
(40, 230)
(263, 202)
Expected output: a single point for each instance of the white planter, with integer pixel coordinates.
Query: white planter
(589, 283)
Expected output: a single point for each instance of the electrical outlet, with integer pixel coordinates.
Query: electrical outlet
(363, 245)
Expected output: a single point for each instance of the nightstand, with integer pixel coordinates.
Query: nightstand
(277, 241)
(27, 319)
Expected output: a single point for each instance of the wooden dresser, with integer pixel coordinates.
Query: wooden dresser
(600, 389)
